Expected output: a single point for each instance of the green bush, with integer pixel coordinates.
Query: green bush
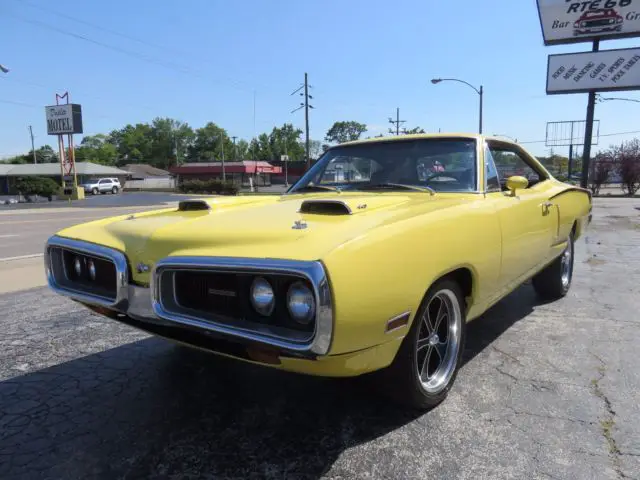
(42, 186)
(208, 186)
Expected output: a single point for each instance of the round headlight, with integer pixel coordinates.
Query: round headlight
(262, 296)
(301, 303)
(92, 270)
(77, 266)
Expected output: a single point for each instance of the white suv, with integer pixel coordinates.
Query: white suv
(104, 185)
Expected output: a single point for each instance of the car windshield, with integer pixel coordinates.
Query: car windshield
(432, 164)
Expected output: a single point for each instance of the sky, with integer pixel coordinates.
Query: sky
(213, 60)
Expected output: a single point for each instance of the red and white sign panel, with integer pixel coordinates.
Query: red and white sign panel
(572, 21)
(604, 71)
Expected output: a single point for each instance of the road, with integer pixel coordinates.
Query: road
(546, 391)
(25, 228)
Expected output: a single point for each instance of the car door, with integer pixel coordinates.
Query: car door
(528, 221)
(104, 185)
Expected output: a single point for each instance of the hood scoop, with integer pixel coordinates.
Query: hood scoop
(325, 207)
(349, 205)
(193, 206)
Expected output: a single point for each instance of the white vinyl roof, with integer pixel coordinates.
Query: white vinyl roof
(53, 169)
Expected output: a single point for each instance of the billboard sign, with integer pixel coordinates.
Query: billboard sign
(572, 21)
(63, 119)
(604, 71)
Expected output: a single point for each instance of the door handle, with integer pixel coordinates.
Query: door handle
(545, 207)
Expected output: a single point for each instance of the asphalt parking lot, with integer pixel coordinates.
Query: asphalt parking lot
(546, 391)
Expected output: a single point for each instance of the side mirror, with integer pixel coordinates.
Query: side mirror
(516, 183)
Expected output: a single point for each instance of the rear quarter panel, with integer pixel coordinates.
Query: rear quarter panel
(387, 271)
(574, 205)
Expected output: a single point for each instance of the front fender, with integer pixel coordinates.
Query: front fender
(386, 272)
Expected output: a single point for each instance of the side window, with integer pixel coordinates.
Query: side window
(509, 163)
(491, 172)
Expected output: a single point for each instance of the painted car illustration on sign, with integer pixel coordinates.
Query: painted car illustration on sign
(375, 272)
(598, 21)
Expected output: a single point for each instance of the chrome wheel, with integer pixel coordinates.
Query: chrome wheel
(566, 264)
(438, 341)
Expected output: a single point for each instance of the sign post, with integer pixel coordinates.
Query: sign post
(285, 159)
(66, 119)
(574, 21)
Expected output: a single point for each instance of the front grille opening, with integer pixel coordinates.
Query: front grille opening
(84, 273)
(224, 297)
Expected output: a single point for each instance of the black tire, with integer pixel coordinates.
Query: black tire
(406, 386)
(95, 191)
(554, 281)
(114, 190)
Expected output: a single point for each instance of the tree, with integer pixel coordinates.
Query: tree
(171, 141)
(241, 150)
(413, 131)
(601, 168)
(286, 141)
(133, 143)
(342, 132)
(210, 143)
(42, 186)
(96, 149)
(629, 165)
(315, 149)
(44, 154)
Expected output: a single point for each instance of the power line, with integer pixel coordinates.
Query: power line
(141, 41)
(99, 27)
(146, 58)
(601, 135)
(48, 87)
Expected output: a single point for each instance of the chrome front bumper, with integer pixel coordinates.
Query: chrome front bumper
(143, 305)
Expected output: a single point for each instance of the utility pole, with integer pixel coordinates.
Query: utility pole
(588, 133)
(306, 120)
(235, 152)
(397, 122)
(224, 176)
(306, 107)
(33, 148)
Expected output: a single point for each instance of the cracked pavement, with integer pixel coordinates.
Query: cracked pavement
(546, 391)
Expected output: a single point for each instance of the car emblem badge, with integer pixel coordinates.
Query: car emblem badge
(143, 267)
(299, 225)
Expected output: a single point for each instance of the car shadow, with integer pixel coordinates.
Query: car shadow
(155, 409)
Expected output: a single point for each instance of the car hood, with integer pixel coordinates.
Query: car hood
(300, 227)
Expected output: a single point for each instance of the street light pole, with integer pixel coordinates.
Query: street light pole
(480, 92)
(481, 99)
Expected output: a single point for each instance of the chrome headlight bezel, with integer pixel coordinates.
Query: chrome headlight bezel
(314, 272)
(117, 302)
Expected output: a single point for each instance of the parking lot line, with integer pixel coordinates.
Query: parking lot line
(21, 257)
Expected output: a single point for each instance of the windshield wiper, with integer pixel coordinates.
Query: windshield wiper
(401, 186)
(312, 188)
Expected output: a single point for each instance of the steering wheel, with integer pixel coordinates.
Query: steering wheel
(440, 174)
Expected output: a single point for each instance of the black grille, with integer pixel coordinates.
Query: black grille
(103, 284)
(215, 293)
(225, 297)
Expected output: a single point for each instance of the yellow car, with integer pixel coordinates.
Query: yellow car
(374, 260)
